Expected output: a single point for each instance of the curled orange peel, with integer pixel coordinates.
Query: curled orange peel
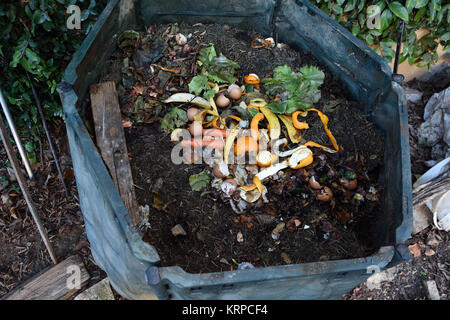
(300, 125)
(254, 125)
(324, 120)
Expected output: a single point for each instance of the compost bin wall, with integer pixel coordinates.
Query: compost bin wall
(131, 264)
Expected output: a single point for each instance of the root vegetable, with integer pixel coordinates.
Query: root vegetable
(213, 144)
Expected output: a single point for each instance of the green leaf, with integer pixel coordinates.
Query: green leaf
(446, 36)
(199, 181)
(174, 119)
(421, 3)
(198, 84)
(399, 10)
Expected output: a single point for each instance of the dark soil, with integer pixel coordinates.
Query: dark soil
(22, 251)
(434, 261)
(328, 231)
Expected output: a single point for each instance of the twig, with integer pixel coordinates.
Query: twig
(44, 124)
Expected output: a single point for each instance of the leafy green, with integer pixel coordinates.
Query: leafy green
(199, 84)
(199, 181)
(174, 119)
(215, 68)
(296, 91)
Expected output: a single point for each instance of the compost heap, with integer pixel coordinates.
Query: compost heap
(244, 152)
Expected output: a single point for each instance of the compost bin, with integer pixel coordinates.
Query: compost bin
(133, 265)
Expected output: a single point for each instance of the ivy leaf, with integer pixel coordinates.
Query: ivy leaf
(399, 10)
(199, 181)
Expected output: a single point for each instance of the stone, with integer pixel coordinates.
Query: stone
(439, 100)
(432, 130)
(99, 291)
(375, 281)
(12, 174)
(422, 218)
(178, 231)
(438, 151)
(432, 290)
(412, 95)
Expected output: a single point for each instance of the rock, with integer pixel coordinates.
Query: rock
(5, 198)
(432, 290)
(432, 130)
(99, 291)
(375, 281)
(11, 173)
(178, 231)
(412, 95)
(422, 218)
(439, 100)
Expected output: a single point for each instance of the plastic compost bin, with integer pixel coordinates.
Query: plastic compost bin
(132, 265)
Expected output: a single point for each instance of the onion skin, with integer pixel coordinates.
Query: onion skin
(235, 93)
(222, 101)
(191, 112)
(325, 194)
(196, 128)
(313, 184)
(349, 184)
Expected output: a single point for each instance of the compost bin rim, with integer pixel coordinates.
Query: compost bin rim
(66, 90)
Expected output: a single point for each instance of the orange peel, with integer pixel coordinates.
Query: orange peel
(301, 158)
(324, 120)
(252, 79)
(254, 125)
(300, 125)
(245, 144)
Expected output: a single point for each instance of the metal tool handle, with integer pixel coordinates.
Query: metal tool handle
(10, 120)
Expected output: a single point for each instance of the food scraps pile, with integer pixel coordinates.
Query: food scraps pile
(244, 152)
(251, 127)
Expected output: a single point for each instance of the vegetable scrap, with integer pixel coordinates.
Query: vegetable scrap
(262, 168)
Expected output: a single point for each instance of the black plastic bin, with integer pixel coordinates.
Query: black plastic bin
(131, 264)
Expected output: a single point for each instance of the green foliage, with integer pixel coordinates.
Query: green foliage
(174, 119)
(296, 91)
(34, 37)
(199, 181)
(215, 68)
(432, 15)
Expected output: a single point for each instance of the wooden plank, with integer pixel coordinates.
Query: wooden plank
(111, 142)
(55, 283)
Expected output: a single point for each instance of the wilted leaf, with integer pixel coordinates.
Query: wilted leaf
(174, 119)
(199, 181)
